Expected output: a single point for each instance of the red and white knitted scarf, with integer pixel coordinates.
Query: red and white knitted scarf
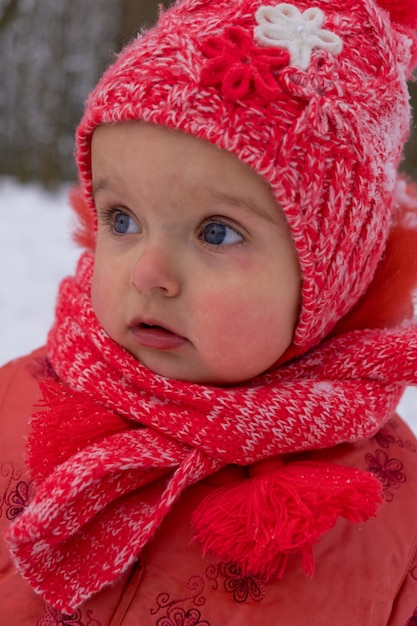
(116, 445)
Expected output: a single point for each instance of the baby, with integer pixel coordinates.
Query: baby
(216, 442)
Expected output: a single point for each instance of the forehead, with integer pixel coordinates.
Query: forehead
(142, 141)
(157, 158)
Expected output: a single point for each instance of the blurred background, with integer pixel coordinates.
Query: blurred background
(51, 56)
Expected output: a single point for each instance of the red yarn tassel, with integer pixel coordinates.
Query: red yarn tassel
(260, 521)
(65, 423)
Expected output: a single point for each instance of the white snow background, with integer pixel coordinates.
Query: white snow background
(36, 251)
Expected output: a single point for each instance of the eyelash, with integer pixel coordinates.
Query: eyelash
(106, 216)
(223, 246)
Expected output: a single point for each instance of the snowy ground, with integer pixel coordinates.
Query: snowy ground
(36, 251)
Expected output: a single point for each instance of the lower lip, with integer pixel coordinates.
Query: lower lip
(157, 338)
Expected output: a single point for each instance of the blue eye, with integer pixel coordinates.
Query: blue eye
(217, 234)
(124, 224)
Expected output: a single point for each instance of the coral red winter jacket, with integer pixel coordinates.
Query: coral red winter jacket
(366, 575)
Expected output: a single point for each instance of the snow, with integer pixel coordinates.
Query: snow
(36, 252)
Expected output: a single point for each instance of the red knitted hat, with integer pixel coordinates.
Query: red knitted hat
(312, 95)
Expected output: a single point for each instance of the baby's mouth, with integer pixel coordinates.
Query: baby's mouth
(143, 325)
(155, 336)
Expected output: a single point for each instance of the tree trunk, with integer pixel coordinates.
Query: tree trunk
(409, 165)
(136, 14)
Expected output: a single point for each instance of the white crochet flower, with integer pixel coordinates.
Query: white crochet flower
(284, 26)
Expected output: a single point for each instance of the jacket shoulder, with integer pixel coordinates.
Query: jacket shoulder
(19, 391)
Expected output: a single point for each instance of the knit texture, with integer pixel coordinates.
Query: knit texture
(116, 445)
(314, 98)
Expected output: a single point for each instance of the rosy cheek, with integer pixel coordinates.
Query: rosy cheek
(221, 325)
(236, 329)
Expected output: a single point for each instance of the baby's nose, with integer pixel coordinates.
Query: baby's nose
(155, 269)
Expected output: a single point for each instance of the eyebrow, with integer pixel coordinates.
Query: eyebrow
(104, 184)
(247, 206)
(101, 185)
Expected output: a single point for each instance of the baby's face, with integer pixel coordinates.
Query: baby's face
(195, 272)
